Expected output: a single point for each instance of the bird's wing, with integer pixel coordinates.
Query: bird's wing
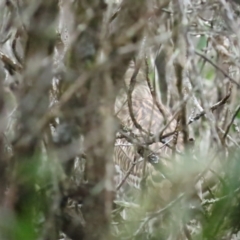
(149, 117)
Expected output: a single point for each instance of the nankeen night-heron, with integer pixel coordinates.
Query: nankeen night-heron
(148, 115)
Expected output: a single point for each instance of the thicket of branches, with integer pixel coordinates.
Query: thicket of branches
(62, 65)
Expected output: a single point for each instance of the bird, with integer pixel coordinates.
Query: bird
(133, 164)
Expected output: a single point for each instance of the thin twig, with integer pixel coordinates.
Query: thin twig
(218, 68)
(179, 73)
(160, 137)
(130, 103)
(153, 92)
(175, 137)
(158, 213)
(231, 122)
(128, 173)
(132, 138)
(213, 107)
(229, 137)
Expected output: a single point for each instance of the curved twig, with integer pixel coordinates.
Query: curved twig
(218, 68)
(230, 123)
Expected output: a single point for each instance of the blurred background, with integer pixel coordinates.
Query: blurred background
(119, 119)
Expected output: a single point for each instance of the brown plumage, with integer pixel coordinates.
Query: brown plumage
(151, 119)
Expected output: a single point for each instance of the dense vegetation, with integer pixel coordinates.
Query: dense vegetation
(62, 64)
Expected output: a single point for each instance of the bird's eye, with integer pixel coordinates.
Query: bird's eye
(153, 158)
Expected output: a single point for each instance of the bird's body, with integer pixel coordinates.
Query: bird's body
(151, 120)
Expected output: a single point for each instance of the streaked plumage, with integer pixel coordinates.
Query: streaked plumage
(149, 117)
